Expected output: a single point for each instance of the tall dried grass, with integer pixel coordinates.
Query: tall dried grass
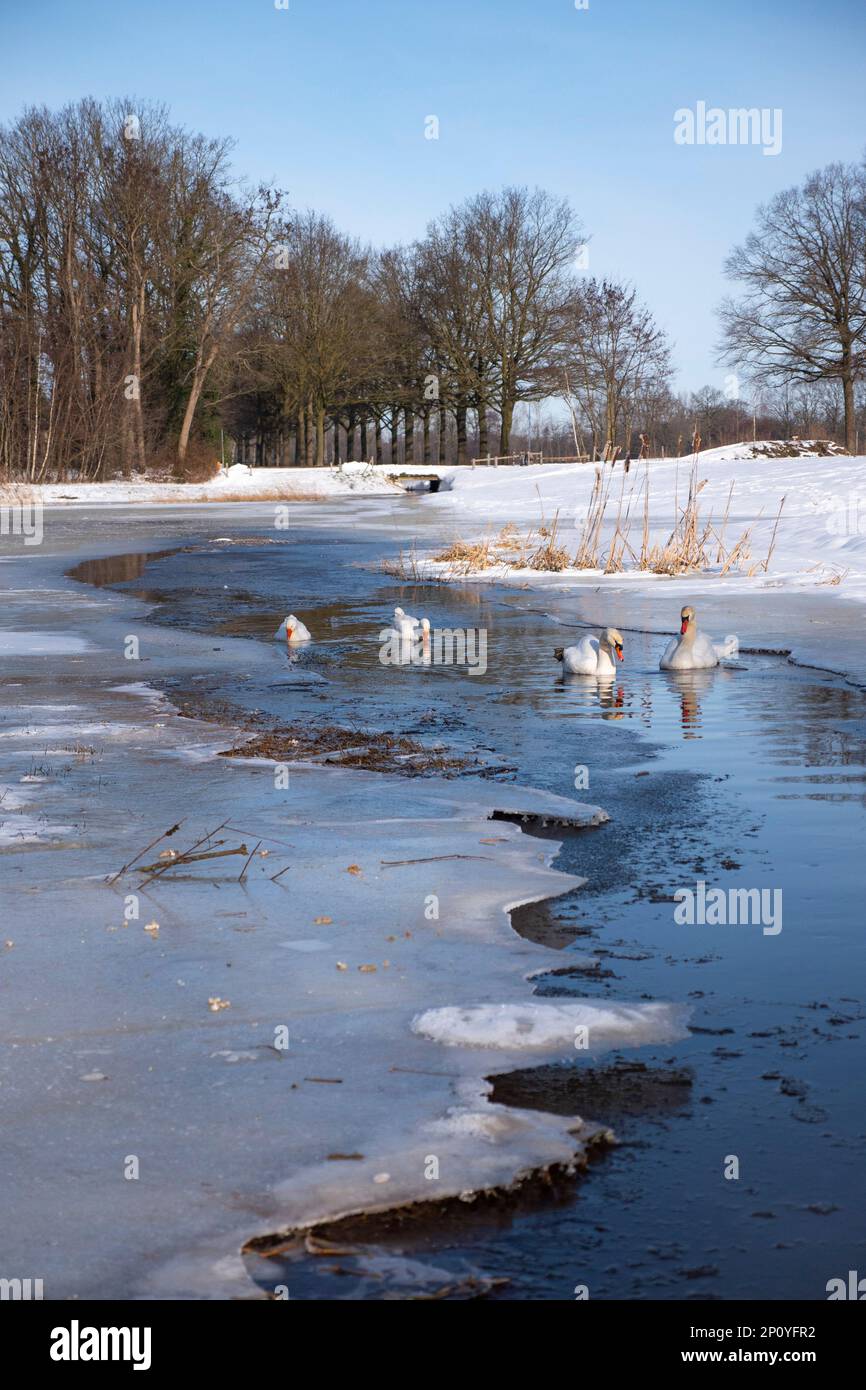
(695, 544)
(689, 546)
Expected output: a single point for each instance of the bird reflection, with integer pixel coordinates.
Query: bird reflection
(602, 689)
(689, 686)
(611, 697)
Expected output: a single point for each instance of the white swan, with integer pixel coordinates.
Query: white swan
(292, 630)
(692, 651)
(404, 624)
(592, 655)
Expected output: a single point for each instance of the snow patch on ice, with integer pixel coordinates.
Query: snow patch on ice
(41, 644)
(142, 691)
(491, 1125)
(52, 732)
(546, 1027)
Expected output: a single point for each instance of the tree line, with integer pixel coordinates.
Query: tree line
(154, 306)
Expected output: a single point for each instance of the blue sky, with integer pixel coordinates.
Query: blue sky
(328, 99)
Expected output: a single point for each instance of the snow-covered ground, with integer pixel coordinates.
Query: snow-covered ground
(821, 535)
(235, 484)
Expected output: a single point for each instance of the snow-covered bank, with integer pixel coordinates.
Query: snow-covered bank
(235, 484)
(820, 540)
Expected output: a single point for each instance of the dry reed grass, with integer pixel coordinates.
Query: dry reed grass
(17, 494)
(836, 575)
(549, 555)
(696, 544)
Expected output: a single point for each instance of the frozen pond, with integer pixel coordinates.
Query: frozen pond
(749, 777)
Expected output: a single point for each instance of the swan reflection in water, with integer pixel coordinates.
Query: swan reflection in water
(689, 687)
(601, 689)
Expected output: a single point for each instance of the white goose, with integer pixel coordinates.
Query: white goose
(592, 655)
(292, 630)
(691, 650)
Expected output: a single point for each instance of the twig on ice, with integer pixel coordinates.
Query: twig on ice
(243, 873)
(143, 852)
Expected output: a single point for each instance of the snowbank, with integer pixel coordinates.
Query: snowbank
(235, 484)
(820, 541)
(774, 448)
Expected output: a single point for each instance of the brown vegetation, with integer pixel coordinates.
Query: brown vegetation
(377, 752)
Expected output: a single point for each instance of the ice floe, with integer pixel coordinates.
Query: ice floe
(533, 1026)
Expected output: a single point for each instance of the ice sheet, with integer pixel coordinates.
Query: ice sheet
(232, 1132)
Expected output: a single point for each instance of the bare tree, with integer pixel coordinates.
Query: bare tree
(318, 306)
(449, 306)
(802, 318)
(618, 358)
(520, 245)
(127, 255)
(214, 251)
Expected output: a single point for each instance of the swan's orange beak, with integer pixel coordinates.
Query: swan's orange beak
(289, 631)
(684, 627)
(618, 650)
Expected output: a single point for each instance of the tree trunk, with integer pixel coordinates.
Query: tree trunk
(320, 435)
(199, 377)
(138, 311)
(850, 413)
(301, 439)
(380, 458)
(428, 443)
(505, 426)
(409, 436)
(441, 432)
(309, 455)
(460, 416)
(395, 437)
(364, 438)
(350, 436)
(483, 439)
(610, 425)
